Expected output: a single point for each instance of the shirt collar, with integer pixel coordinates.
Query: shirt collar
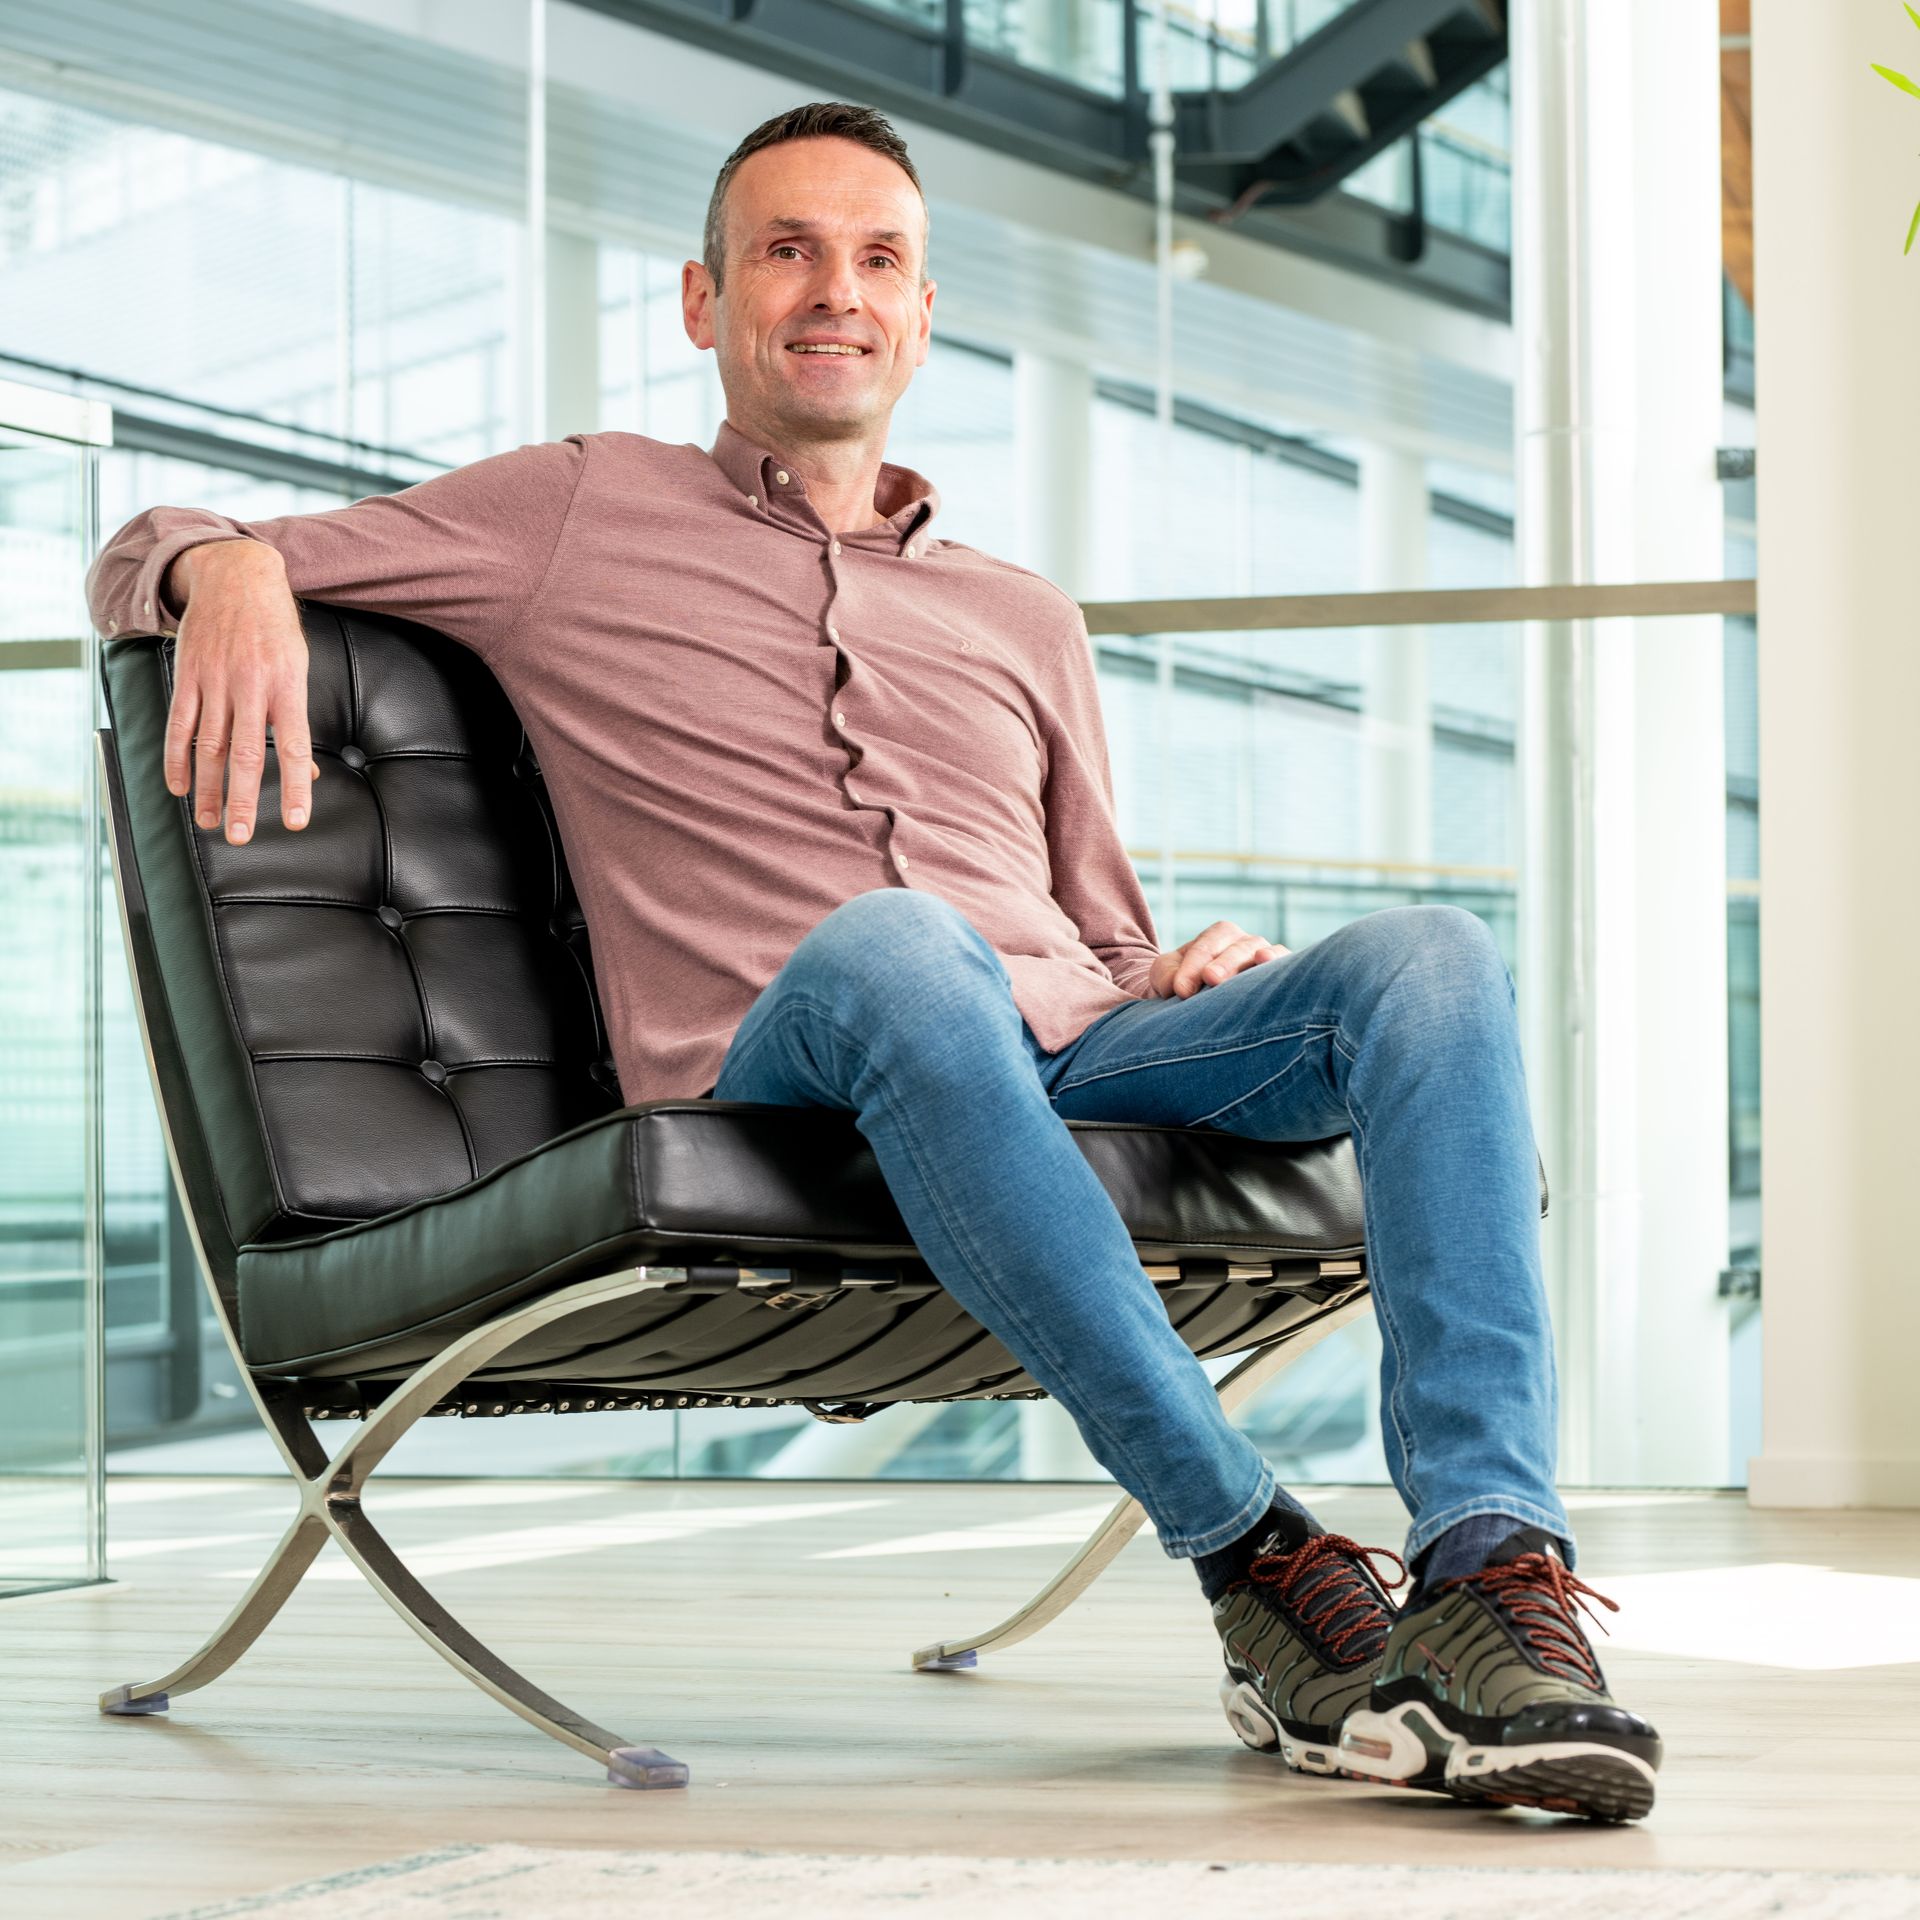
(908, 499)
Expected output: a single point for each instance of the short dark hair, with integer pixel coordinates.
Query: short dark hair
(816, 120)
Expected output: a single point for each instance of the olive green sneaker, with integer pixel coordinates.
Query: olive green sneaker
(1302, 1634)
(1488, 1690)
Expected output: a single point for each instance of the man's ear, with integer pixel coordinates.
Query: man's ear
(697, 296)
(926, 321)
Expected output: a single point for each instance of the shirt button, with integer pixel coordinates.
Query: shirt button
(113, 626)
(833, 633)
(901, 858)
(839, 719)
(781, 476)
(146, 606)
(753, 499)
(909, 553)
(836, 546)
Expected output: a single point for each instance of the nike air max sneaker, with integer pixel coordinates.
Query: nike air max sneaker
(1302, 1635)
(1488, 1689)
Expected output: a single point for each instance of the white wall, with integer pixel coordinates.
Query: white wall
(1838, 315)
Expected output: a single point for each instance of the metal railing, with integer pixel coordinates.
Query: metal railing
(1441, 607)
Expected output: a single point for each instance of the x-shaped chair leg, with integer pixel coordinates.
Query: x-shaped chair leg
(1113, 1533)
(330, 1491)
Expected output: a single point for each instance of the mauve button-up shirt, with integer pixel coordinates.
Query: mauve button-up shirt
(744, 717)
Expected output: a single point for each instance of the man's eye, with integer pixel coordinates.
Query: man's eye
(786, 247)
(885, 259)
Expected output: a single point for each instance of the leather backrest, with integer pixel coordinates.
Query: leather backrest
(397, 998)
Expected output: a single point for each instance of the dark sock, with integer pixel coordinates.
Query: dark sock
(1469, 1545)
(1286, 1517)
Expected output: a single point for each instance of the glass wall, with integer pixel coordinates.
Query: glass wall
(343, 318)
(49, 1245)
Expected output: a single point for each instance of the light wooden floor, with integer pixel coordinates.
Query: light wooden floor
(781, 1677)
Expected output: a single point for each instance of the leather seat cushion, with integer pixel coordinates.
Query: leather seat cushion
(724, 1182)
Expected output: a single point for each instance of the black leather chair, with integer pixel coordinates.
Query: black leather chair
(413, 1189)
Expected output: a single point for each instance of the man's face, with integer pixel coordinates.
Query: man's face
(824, 244)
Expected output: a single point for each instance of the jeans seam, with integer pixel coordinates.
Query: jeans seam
(1183, 1057)
(1272, 1080)
(1362, 1126)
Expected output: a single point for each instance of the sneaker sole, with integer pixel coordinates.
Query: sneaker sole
(1584, 1777)
(1260, 1728)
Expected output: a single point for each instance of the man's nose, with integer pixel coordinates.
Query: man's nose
(836, 286)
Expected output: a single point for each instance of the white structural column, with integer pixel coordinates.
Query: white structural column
(1053, 510)
(1838, 313)
(1398, 812)
(572, 335)
(1397, 755)
(1053, 467)
(1623, 900)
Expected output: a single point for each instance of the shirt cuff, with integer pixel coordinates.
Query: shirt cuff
(1130, 971)
(148, 608)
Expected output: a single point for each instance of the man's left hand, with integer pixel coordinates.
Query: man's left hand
(1208, 958)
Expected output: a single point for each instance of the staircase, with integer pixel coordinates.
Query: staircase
(1287, 134)
(1308, 119)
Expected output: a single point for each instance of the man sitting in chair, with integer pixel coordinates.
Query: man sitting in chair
(836, 797)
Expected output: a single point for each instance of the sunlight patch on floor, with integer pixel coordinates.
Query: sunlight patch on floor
(1779, 1614)
(1064, 1527)
(517, 1545)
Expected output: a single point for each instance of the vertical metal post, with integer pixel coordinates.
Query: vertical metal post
(953, 48)
(94, 1187)
(1555, 542)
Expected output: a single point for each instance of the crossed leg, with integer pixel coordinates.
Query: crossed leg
(1399, 1027)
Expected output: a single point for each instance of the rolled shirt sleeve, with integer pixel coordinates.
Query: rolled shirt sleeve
(1093, 878)
(466, 552)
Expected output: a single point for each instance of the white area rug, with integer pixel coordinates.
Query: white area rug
(547, 1883)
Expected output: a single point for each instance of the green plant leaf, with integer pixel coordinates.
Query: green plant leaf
(1914, 17)
(1911, 231)
(1900, 80)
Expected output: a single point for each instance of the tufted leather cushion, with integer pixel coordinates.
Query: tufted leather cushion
(408, 980)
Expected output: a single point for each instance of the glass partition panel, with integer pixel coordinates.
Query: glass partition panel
(1295, 778)
(49, 1250)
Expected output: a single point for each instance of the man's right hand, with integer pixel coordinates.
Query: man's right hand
(240, 664)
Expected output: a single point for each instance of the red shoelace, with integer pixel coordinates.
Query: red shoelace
(1539, 1592)
(1339, 1587)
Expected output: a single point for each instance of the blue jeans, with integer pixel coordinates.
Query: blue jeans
(1398, 1028)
